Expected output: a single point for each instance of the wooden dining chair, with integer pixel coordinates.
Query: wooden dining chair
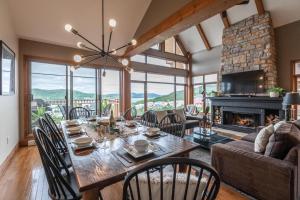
(173, 124)
(60, 187)
(130, 114)
(198, 181)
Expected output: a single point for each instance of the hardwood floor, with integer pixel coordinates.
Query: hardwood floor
(25, 179)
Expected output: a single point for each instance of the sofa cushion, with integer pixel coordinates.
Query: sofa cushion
(160, 115)
(262, 138)
(241, 144)
(250, 137)
(191, 124)
(284, 138)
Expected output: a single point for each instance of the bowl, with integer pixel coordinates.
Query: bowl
(82, 141)
(141, 146)
(153, 131)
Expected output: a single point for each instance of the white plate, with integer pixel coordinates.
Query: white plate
(83, 141)
(74, 129)
(73, 122)
(133, 152)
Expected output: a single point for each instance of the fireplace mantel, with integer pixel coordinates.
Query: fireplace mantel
(259, 105)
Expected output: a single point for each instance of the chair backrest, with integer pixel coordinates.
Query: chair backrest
(55, 137)
(106, 110)
(187, 179)
(79, 112)
(173, 124)
(52, 123)
(191, 109)
(130, 113)
(149, 119)
(63, 111)
(59, 188)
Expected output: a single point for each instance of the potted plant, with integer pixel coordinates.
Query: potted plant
(275, 91)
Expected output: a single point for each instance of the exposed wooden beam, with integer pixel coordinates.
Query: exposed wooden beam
(203, 36)
(189, 15)
(225, 19)
(260, 7)
(181, 45)
(166, 55)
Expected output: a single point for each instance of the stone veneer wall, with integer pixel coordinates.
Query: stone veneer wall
(250, 45)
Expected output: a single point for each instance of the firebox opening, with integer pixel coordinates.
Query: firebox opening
(241, 119)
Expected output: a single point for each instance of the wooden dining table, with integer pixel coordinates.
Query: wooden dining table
(98, 168)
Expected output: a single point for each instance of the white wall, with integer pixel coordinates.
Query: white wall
(9, 105)
(205, 62)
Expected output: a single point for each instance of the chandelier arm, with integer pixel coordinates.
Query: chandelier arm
(92, 55)
(110, 35)
(126, 45)
(89, 48)
(84, 63)
(81, 36)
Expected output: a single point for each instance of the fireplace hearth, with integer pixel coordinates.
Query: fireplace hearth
(245, 114)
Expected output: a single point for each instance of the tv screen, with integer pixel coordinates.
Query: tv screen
(251, 82)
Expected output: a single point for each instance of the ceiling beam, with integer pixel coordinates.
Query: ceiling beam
(260, 7)
(203, 36)
(181, 45)
(189, 15)
(165, 55)
(225, 19)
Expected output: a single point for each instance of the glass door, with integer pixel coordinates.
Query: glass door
(48, 91)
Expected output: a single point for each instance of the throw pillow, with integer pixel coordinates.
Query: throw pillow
(160, 115)
(262, 138)
(167, 186)
(181, 114)
(284, 138)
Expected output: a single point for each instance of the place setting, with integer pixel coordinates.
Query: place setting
(139, 150)
(154, 133)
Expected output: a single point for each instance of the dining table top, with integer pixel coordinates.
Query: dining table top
(99, 167)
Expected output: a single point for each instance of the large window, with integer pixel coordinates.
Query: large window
(157, 92)
(55, 89)
(204, 86)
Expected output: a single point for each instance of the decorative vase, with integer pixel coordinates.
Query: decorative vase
(274, 94)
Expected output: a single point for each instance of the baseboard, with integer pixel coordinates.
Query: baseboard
(6, 162)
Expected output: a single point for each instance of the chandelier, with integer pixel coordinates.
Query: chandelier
(96, 51)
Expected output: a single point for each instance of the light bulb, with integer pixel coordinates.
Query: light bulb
(130, 70)
(114, 52)
(77, 58)
(112, 23)
(68, 27)
(79, 44)
(133, 42)
(125, 62)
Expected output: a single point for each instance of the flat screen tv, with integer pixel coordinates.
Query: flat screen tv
(251, 82)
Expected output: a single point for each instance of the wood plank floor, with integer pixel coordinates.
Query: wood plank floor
(25, 180)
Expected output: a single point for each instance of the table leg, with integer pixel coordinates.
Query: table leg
(91, 195)
(183, 168)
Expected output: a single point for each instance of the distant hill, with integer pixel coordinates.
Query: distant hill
(60, 94)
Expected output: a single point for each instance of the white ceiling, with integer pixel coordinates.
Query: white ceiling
(282, 12)
(44, 20)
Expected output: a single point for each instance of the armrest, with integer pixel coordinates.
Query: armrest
(254, 173)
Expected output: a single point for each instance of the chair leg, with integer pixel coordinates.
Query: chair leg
(100, 195)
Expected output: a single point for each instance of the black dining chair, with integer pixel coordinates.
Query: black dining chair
(149, 119)
(58, 142)
(79, 112)
(63, 111)
(52, 123)
(173, 124)
(60, 187)
(130, 114)
(197, 181)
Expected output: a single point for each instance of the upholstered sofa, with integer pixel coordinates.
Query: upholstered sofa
(258, 175)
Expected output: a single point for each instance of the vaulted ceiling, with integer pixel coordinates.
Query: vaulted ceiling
(44, 20)
(282, 12)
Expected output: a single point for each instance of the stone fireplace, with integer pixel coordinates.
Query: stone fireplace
(250, 45)
(245, 114)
